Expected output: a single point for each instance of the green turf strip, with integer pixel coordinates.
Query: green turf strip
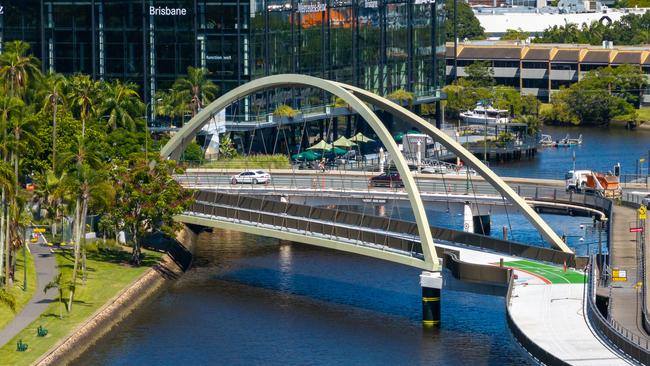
(554, 274)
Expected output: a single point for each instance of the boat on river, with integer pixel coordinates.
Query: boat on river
(548, 141)
(484, 113)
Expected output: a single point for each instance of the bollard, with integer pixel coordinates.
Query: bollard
(431, 283)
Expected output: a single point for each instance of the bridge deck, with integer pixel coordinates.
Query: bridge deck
(625, 296)
(552, 317)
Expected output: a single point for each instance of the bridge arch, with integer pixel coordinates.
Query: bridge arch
(469, 158)
(177, 144)
(357, 98)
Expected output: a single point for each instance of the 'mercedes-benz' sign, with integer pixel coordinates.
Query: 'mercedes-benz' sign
(166, 11)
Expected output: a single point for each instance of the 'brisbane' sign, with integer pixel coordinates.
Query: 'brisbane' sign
(159, 10)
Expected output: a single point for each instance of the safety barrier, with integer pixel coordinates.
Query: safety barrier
(473, 272)
(346, 224)
(618, 336)
(531, 347)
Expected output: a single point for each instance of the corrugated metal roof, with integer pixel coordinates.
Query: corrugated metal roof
(599, 57)
(567, 56)
(538, 54)
(627, 58)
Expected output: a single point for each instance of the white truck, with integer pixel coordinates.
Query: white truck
(590, 182)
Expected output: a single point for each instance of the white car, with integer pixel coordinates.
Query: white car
(251, 177)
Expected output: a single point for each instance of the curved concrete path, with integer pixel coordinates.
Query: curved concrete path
(45, 265)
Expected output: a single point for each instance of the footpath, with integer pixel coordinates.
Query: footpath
(625, 296)
(45, 265)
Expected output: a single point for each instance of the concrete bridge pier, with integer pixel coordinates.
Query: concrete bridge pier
(431, 283)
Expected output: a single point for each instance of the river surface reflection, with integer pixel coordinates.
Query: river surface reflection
(256, 301)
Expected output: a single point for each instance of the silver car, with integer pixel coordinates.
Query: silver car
(251, 177)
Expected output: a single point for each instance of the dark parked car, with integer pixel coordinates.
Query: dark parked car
(390, 180)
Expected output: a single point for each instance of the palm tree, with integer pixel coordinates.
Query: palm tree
(170, 104)
(17, 68)
(84, 95)
(56, 283)
(50, 193)
(84, 167)
(53, 94)
(9, 107)
(196, 89)
(122, 104)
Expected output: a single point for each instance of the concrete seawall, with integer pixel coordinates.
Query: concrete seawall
(143, 289)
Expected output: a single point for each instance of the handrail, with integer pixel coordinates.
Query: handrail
(526, 343)
(621, 338)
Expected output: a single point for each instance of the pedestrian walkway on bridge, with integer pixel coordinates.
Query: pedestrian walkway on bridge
(625, 296)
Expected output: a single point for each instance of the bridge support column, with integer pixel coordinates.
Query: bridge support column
(431, 283)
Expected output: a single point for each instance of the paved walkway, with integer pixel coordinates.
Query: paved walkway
(45, 264)
(547, 305)
(625, 298)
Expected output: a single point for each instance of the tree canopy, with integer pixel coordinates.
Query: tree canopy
(631, 29)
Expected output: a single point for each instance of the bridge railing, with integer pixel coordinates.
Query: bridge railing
(528, 344)
(347, 224)
(620, 337)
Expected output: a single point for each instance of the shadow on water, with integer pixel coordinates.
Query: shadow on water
(250, 300)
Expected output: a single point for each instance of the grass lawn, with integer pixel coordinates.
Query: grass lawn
(644, 114)
(107, 274)
(555, 275)
(22, 297)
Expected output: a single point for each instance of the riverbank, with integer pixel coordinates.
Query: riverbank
(22, 297)
(107, 274)
(105, 319)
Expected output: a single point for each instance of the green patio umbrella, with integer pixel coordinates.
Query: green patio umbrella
(321, 145)
(399, 136)
(306, 156)
(338, 151)
(343, 142)
(359, 137)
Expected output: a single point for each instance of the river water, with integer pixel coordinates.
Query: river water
(601, 149)
(250, 300)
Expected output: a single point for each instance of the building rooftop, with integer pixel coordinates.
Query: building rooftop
(535, 23)
(513, 50)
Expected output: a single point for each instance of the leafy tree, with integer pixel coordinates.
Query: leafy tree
(149, 198)
(530, 105)
(195, 89)
(285, 111)
(631, 29)
(480, 73)
(193, 152)
(402, 96)
(533, 122)
(508, 98)
(468, 25)
(515, 35)
(463, 96)
(226, 148)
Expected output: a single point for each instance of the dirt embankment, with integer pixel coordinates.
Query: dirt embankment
(118, 308)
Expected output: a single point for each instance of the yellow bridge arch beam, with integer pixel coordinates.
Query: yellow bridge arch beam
(471, 160)
(177, 144)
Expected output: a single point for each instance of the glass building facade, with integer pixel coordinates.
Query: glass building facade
(380, 45)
